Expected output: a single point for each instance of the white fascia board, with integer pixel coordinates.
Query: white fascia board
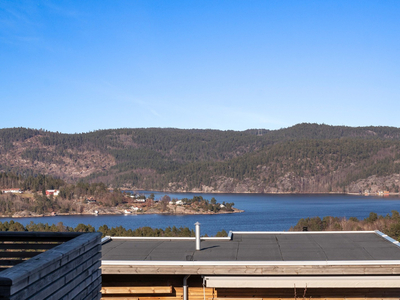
(301, 232)
(388, 238)
(105, 239)
(303, 282)
(136, 238)
(149, 238)
(247, 263)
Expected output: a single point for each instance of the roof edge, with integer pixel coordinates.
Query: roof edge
(247, 263)
(388, 238)
(231, 233)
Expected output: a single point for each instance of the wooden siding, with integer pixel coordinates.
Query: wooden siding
(17, 248)
(194, 293)
(287, 294)
(253, 270)
(196, 290)
(70, 270)
(197, 293)
(137, 290)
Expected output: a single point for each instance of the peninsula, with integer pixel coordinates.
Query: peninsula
(17, 203)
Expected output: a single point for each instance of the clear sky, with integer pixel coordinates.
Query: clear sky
(79, 66)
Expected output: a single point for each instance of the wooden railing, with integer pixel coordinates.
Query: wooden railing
(41, 265)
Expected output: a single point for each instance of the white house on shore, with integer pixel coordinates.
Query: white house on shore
(52, 192)
(13, 191)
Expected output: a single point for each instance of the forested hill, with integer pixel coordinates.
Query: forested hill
(304, 158)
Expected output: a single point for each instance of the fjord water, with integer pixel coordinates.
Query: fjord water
(262, 212)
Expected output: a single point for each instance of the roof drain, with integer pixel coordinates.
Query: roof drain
(185, 287)
(197, 224)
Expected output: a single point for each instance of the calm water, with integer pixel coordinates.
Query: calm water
(262, 212)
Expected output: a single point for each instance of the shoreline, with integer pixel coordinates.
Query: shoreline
(20, 215)
(269, 194)
(116, 211)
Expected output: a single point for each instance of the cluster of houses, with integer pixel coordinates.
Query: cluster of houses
(19, 191)
(142, 199)
(379, 193)
(12, 191)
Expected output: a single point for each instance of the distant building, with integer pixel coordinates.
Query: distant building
(52, 192)
(13, 191)
(140, 200)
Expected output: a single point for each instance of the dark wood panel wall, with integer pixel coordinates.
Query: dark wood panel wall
(50, 265)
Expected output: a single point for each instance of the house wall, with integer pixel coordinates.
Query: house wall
(196, 291)
(275, 294)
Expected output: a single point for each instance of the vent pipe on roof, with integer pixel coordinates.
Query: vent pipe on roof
(197, 224)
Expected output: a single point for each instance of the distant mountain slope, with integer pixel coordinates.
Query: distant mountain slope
(303, 158)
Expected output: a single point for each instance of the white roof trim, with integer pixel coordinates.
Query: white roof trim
(386, 237)
(163, 238)
(303, 282)
(231, 233)
(299, 232)
(247, 263)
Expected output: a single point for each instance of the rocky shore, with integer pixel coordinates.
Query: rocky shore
(98, 210)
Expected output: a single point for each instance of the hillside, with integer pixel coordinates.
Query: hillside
(305, 158)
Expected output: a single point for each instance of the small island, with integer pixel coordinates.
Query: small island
(195, 206)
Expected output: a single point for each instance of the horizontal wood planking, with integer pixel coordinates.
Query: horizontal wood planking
(71, 269)
(66, 283)
(81, 261)
(28, 246)
(36, 236)
(301, 298)
(237, 298)
(92, 291)
(13, 253)
(194, 293)
(307, 293)
(11, 262)
(19, 254)
(123, 298)
(32, 270)
(75, 287)
(78, 259)
(137, 290)
(254, 270)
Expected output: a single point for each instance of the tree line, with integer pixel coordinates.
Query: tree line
(388, 224)
(104, 230)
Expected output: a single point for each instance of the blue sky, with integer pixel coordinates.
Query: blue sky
(79, 66)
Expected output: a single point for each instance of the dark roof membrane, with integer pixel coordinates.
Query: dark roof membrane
(274, 247)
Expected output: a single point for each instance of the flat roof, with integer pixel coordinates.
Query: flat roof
(261, 250)
(310, 246)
